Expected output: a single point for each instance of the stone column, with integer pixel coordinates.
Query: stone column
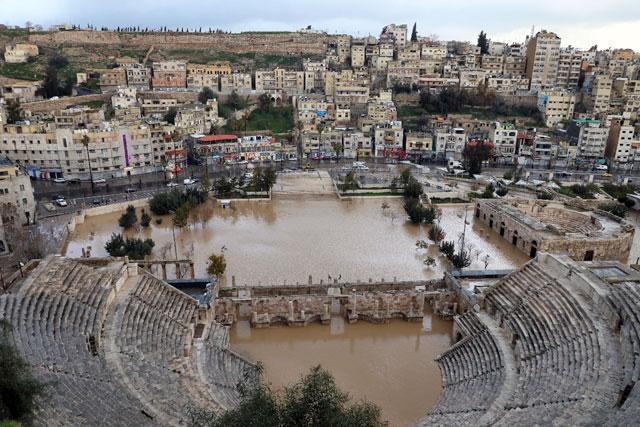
(164, 271)
(178, 272)
(193, 270)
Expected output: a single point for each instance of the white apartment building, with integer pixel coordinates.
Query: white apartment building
(450, 143)
(600, 93)
(592, 141)
(543, 55)
(503, 136)
(16, 190)
(556, 106)
(397, 32)
(569, 63)
(358, 55)
(388, 138)
(620, 142)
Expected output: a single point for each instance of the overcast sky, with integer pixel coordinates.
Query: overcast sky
(581, 23)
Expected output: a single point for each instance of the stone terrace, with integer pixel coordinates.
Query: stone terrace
(557, 344)
(118, 345)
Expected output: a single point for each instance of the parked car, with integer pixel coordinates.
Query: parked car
(602, 168)
(189, 181)
(99, 181)
(172, 184)
(59, 180)
(129, 190)
(61, 202)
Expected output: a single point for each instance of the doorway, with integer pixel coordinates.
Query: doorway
(588, 256)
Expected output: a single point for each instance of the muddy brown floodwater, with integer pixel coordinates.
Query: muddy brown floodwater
(391, 365)
(292, 238)
(270, 242)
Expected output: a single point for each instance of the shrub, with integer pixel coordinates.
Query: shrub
(436, 233)
(447, 248)
(315, 400)
(418, 213)
(617, 209)
(543, 195)
(145, 219)
(412, 189)
(164, 203)
(129, 218)
(131, 247)
(502, 191)
(19, 389)
(487, 193)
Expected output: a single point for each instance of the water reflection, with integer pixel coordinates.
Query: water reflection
(391, 364)
(290, 239)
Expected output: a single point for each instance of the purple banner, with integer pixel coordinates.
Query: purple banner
(126, 150)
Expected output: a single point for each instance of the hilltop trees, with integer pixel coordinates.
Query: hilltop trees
(483, 43)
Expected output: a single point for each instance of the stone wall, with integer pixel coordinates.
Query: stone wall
(64, 102)
(283, 43)
(300, 310)
(531, 241)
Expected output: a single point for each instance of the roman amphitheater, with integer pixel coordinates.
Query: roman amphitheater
(556, 342)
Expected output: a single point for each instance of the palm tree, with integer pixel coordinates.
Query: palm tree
(85, 142)
(320, 129)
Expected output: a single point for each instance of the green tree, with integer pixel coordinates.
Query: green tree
(131, 247)
(234, 101)
(413, 189)
(474, 154)
(145, 219)
(264, 103)
(129, 218)
(51, 86)
(19, 389)
(170, 116)
(483, 43)
(216, 265)
(314, 401)
(13, 111)
(181, 216)
(205, 94)
(350, 182)
(414, 33)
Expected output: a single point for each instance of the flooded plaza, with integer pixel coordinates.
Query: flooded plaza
(288, 239)
(391, 365)
(268, 242)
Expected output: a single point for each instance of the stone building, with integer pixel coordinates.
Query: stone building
(16, 190)
(533, 226)
(169, 75)
(239, 82)
(20, 52)
(110, 80)
(279, 79)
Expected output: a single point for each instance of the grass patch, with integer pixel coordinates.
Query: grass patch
(370, 193)
(93, 104)
(410, 111)
(24, 71)
(583, 191)
(436, 200)
(276, 120)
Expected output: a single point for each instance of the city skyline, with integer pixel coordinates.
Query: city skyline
(580, 24)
